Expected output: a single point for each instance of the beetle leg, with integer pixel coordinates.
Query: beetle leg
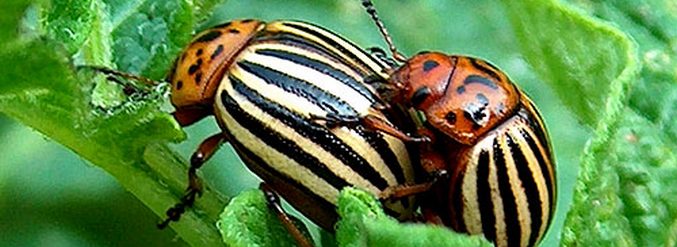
(401, 191)
(385, 89)
(370, 122)
(431, 216)
(406, 190)
(205, 151)
(432, 161)
(129, 76)
(274, 204)
(376, 123)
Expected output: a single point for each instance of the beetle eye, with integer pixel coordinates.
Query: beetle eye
(420, 95)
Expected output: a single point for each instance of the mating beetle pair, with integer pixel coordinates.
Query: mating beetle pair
(300, 106)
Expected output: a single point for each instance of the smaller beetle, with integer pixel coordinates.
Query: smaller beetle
(490, 156)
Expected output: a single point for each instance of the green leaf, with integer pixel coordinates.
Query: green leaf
(148, 35)
(628, 167)
(41, 89)
(363, 223)
(638, 159)
(247, 221)
(628, 173)
(9, 21)
(566, 50)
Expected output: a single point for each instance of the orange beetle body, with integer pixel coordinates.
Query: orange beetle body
(461, 96)
(209, 55)
(488, 136)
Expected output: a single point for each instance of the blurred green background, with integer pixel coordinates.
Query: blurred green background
(50, 196)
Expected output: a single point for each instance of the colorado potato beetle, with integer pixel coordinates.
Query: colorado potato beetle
(487, 136)
(275, 90)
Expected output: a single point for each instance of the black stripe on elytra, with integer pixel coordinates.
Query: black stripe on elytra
(541, 163)
(491, 71)
(331, 42)
(512, 224)
(292, 39)
(458, 203)
(527, 178)
(312, 47)
(377, 141)
(278, 142)
(322, 68)
(484, 195)
(317, 134)
(355, 47)
(534, 119)
(317, 96)
(251, 159)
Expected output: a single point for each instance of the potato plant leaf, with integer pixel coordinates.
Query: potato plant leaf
(43, 89)
(363, 223)
(622, 85)
(628, 168)
(247, 221)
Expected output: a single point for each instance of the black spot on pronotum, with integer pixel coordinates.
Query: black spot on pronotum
(420, 95)
(500, 108)
(199, 52)
(483, 100)
(481, 80)
(233, 31)
(479, 118)
(245, 21)
(450, 117)
(217, 52)
(460, 90)
(468, 116)
(475, 114)
(208, 36)
(179, 85)
(429, 65)
(198, 78)
(193, 68)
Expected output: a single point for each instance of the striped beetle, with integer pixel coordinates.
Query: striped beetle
(487, 136)
(276, 90)
(290, 98)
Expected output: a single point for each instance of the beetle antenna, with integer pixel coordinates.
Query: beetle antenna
(371, 10)
(112, 72)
